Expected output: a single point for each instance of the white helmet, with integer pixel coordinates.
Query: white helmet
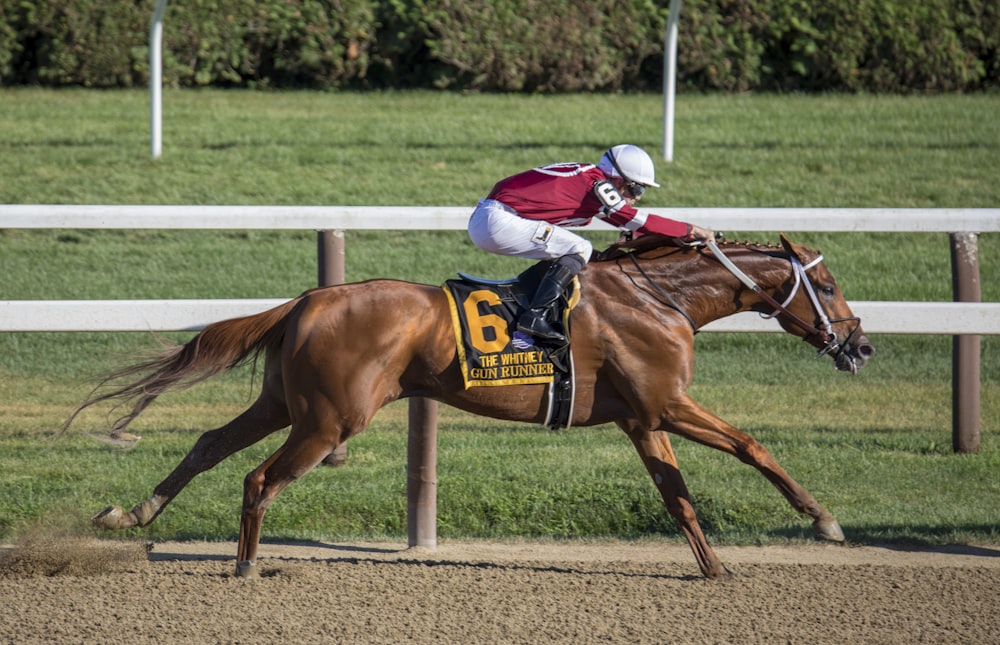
(630, 162)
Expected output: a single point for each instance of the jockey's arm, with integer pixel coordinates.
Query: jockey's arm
(672, 228)
(619, 211)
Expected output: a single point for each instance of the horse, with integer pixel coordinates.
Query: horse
(335, 355)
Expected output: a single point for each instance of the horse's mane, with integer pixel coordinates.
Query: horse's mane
(648, 243)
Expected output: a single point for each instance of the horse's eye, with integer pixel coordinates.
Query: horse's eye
(826, 290)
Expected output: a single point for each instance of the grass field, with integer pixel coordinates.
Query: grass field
(874, 449)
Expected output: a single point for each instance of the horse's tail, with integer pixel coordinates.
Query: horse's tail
(219, 347)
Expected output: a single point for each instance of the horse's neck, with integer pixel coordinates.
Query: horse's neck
(704, 288)
(718, 293)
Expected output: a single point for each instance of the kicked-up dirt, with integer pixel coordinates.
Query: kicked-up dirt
(85, 590)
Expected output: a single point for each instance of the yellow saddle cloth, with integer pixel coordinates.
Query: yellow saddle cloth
(491, 350)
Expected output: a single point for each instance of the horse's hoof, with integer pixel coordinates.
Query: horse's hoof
(109, 518)
(334, 460)
(828, 530)
(719, 572)
(247, 569)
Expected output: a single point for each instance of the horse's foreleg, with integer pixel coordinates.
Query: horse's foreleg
(690, 420)
(258, 421)
(658, 456)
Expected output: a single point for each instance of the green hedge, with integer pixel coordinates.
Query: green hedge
(105, 43)
(543, 46)
(509, 45)
(844, 45)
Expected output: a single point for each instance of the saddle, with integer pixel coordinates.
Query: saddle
(493, 352)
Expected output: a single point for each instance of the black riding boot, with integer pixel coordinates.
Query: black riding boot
(535, 320)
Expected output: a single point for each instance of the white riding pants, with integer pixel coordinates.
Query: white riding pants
(497, 228)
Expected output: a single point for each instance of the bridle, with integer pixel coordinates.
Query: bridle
(831, 344)
(829, 337)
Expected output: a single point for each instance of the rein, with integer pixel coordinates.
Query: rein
(824, 332)
(799, 271)
(666, 298)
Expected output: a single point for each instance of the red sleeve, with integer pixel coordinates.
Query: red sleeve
(664, 226)
(628, 218)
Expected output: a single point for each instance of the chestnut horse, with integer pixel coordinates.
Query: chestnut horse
(335, 355)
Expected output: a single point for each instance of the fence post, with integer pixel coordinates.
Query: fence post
(965, 349)
(421, 474)
(330, 262)
(421, 462)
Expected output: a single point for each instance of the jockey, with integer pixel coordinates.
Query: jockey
(524, 216)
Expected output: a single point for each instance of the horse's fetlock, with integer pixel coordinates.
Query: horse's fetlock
(114, 518)
(144, 513)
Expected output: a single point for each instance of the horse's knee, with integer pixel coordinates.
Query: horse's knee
(752, 452)
(681, 510)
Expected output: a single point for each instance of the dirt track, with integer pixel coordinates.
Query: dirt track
(89, 591)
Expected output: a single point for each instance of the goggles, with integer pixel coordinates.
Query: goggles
(636, 189)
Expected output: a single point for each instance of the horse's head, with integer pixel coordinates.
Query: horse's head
(812, 295)
(807, 303)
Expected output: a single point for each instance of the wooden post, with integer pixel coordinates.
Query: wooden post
(330, 254)
(965, 349)
(330, 261)
(421, 488)
(421, 474)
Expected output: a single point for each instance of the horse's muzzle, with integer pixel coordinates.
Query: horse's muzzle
(853, 354)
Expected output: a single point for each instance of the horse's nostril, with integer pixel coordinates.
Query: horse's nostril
(866, 351)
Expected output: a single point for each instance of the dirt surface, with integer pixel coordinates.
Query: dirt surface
(84, 590)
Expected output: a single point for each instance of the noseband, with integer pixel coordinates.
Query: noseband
(828, 336)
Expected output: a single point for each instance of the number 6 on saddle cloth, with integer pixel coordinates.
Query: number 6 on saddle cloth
(491, 350)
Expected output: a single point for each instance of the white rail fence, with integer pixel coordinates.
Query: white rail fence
(165, 315)
(948, 318)
(965, 321)
(900, 220)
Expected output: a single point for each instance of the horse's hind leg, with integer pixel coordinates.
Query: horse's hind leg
(658, 456)
(264, 417)
(300, 453)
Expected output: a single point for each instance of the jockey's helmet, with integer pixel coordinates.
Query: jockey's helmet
(629, 162)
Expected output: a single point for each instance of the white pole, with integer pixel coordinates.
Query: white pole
(670, 79)
(156, 79)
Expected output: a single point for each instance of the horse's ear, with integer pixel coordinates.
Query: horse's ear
(794, 249)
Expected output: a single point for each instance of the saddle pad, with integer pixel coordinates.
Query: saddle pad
(491, 351)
